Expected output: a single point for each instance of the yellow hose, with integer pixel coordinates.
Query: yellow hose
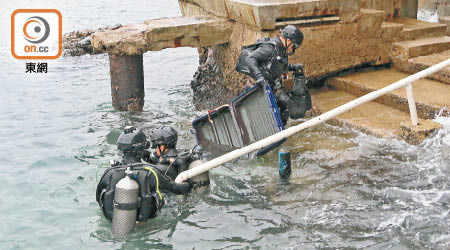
(157, 181)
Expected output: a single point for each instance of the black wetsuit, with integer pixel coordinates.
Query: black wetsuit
(151, 176)
(168, 172)
(270, 61)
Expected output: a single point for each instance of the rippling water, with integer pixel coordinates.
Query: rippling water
(347, 190)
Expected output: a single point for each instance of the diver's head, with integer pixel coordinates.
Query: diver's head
(292, 38)
(162, 139)
(132, 143)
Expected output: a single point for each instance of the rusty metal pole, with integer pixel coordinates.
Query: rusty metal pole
(127, 82)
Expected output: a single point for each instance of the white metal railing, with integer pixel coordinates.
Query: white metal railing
(406, 82)
(412, 105)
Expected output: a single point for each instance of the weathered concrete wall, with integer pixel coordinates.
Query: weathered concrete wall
(216, 80)
(393, 8)
(446, 20)
(331, 48)
(199, 7)
(327, 49)
(408, 8)
(263, 14)
(385, 5)
(443, 8)
(208, 83)
(266, 15)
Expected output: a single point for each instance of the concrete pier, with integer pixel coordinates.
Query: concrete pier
(163, 33)
(126, 45)
(339, 36)
(222, 27)
(127, 82)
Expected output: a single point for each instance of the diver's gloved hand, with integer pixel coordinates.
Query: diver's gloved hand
(296, 67)
(181, 188)
(277, 86)
(261, 82)
(197, 184)
(151, 157)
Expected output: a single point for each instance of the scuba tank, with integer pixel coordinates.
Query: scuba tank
(125, 205)
(120, 193)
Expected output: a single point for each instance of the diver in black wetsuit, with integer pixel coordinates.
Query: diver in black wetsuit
(166, 160)
(153, 171)
(267, 60)
(165, 156)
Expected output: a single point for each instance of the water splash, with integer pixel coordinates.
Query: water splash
(443, 117)
(428, 16)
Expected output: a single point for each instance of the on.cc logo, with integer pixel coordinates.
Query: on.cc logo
(36, 34)
(39, 26)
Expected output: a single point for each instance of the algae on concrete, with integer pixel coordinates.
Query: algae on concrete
(416, 134)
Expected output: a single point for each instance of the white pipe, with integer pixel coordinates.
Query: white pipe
(412, 105)
(183, 176)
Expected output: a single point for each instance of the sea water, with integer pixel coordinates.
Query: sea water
(347, 190)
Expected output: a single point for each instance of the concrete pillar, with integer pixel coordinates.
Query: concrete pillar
(127, 82)
(408, 8)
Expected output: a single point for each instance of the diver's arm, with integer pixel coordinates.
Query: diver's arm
(170, 186)
(173, 187)
(150, 157)
(262, 54)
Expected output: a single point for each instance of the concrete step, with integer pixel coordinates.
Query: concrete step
(420, 63)
(400, 52)
(414, 29)
(431, 96)
(422, 47)
(391, 32)
(371, 118)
